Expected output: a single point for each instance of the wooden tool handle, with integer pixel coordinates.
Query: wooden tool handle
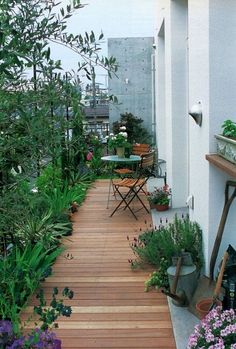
(220, 276)
(175, 282)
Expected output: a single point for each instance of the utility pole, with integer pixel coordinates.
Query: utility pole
(94, 97)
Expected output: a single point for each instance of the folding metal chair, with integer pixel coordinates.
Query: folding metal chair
(135, 185)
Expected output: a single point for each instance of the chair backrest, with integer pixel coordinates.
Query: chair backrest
(140, 148)
(148, 161)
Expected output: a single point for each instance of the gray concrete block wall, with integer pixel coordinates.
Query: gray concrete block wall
(134, 56)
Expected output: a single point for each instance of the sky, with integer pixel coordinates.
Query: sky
(122, 18)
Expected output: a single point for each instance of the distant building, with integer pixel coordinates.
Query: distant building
(95, 104)
(133, 87)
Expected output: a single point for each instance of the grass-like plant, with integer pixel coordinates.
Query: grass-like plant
(21, 273)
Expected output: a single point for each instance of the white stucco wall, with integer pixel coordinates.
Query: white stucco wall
(222, 106)
(198, 31)
(211, 76)
(212, 80)
(171, 95)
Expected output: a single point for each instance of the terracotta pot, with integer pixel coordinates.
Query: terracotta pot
(203, 306)
(161, 207)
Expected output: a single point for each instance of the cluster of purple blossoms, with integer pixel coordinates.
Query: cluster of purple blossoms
(216, 331)
(38, 339)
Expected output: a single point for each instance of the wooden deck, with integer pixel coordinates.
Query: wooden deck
(110, 308)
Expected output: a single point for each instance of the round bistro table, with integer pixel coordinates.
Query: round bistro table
(114, 159)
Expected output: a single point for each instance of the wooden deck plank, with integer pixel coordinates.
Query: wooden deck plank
(110, 309)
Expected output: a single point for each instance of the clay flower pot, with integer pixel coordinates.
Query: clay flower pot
(203, 306)
(161, 207)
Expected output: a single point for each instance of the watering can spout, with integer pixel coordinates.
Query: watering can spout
(180, 298)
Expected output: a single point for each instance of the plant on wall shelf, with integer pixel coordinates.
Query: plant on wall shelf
(229, 128)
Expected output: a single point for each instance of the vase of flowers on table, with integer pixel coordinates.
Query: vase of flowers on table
(119, 142)
(160, 198)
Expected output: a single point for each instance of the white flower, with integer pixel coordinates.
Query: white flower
(111, 134)
(19, 168)
(123, 128)
(34, 190)
(13, 172)
(124, 134)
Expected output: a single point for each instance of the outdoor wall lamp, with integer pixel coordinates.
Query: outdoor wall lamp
(126, 81)
(196, 112)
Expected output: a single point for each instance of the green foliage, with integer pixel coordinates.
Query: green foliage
(41, 229)
(49, 179)
(229, 128)
(168, 241)
(159, 278)
(136, 132)
(21, 273)
(60, 200)
(160, 196)
(158, 246)
(118, 140)
(38, 113)
(48, 315)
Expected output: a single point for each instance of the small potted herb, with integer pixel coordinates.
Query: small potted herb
(160, 198)
(226, 142)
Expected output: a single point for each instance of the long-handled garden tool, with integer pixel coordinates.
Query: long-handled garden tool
(207, 304)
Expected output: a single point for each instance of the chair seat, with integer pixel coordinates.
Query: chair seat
(123, 171)
(129, 182)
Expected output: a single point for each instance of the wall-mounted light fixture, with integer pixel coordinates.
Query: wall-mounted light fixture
(196, 112)
(126, 81)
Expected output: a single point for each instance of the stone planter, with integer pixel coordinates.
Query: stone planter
(226, 147)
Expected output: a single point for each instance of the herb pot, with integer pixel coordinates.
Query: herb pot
(161, 207)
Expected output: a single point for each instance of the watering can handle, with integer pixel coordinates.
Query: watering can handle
(176, 278)
(220, 276)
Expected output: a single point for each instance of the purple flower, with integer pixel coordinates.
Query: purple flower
(6, 327)
(216, 331)
(17, 344)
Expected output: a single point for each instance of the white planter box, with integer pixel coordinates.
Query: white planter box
(226, 147)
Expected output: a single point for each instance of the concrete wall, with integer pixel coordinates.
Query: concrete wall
(133, 87)
(211, 74)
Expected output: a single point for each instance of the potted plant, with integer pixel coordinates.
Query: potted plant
(226, 142)
(119, 142)
(216, 330)
(160, 198)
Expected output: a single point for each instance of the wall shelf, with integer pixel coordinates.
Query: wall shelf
(222, 164)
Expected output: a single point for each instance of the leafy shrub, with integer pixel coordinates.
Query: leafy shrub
(168, 241)
(136, 132)
(21, 273)
(49, 179)
(158, 246)
(42, 229)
